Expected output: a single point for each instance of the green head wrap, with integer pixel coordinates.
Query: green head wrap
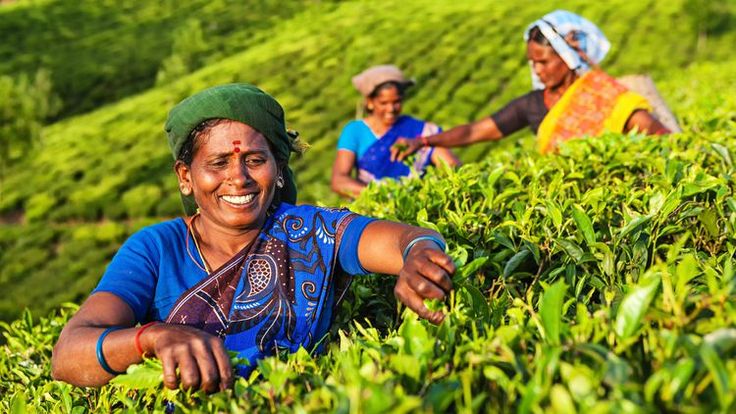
(238, 102)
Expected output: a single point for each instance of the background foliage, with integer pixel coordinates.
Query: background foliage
(600, 279)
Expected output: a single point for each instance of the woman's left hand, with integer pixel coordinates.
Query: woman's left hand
(425, 275)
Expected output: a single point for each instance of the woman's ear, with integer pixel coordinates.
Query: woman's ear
(184, 176)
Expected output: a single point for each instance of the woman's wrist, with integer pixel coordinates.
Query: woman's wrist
(429, 238)
(100, 352)
(138, 343)
(146, 338)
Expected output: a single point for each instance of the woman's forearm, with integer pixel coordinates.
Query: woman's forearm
(453, 137)
(74, 359)
(347, 186)
(482, 130)
(383, 243)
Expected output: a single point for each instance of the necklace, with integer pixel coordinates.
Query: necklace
(190, 230)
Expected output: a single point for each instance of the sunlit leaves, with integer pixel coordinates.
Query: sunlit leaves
(634, 306)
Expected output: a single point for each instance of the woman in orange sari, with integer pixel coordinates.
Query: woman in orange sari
(572, 97)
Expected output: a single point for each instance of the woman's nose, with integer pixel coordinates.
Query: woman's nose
(239, 174)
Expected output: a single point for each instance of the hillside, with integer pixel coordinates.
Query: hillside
(101, 51)
(99, 176)
(597, 280)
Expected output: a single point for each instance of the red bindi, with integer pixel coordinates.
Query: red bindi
(236, 148)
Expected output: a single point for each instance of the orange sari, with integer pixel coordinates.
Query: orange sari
(595, 103)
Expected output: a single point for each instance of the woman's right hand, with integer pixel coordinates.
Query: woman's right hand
(201, 358)
(403, 147)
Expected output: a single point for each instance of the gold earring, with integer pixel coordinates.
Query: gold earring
(185, 190)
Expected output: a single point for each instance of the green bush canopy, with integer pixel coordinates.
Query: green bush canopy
(599, 279)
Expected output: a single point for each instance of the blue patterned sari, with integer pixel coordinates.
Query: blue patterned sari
(279, 292)
(376, 163)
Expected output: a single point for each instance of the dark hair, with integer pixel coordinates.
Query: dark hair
(400, 88)
(536, 36)
(192, 143)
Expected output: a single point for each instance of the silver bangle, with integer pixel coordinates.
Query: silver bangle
(439, 242)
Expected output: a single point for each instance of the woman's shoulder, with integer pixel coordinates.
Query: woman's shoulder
(355, 125)
(160, 232)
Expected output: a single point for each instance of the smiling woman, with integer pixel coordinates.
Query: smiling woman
(245, 270)
(364, 144)
(572, 96)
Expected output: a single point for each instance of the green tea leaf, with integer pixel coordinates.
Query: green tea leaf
(718, 372)
(140, 376)
(479, 302)
(554, 213)
(634, 306)
(423, 221)
(584, 224)
(633, 225)
(571, 248)
(18, 403)
(723, 153)
(550, 310)
(515, 261)
(469, 269)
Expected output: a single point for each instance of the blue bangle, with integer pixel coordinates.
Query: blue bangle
(437, 240)
(101, 356)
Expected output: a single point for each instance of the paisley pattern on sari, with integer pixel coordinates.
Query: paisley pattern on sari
(279, 292)
(376, 163)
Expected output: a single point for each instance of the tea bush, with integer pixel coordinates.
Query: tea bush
(467, 58)
(102, 51)
(600, 279)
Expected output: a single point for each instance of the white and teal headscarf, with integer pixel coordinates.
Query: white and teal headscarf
(558, 24)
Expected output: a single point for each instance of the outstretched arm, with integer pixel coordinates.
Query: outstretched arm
(425, 274)
(201, 358)
(482, 130)
(342, 182)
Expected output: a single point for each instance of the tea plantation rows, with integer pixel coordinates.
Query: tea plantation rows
(102, 51)
(600, 279)
(97, 177)
(597, 280)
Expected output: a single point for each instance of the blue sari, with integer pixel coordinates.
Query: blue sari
(279, 292)
(376, 164)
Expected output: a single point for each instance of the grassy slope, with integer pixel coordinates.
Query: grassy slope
(101, 175)
(621, 302)
(101, 51)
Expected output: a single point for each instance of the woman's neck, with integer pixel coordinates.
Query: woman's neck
(376, 125)
(218, 244)
(554, 93)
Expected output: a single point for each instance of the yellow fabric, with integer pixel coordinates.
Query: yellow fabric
(595, 103)
(626, 104)
(544, 133)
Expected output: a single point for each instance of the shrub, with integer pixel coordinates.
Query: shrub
(142, 200)
(26, 104)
